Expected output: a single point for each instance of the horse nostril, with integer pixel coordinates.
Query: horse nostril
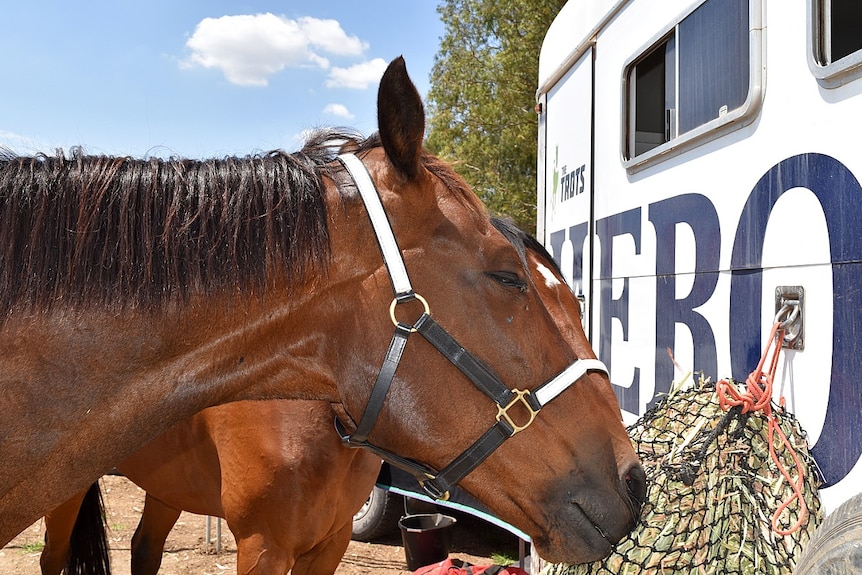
(635, 479)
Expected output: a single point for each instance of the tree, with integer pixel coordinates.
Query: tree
(482, 98)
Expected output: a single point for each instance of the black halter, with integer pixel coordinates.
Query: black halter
(437, 484)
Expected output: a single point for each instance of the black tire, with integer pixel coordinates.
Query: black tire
(836, 546)
(378, 516)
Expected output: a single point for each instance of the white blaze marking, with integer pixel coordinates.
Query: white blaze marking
(550, 279)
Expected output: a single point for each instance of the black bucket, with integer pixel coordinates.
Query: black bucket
(426, 538)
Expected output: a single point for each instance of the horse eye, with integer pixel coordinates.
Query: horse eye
(509, 280)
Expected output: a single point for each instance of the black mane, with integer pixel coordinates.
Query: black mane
(524, 242)
(88, 228)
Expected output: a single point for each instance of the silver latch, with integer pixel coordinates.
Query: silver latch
(790, 311)
(582, 303)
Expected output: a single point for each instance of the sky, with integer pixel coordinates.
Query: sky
(200, 78)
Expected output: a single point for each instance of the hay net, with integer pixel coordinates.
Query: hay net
(712, 490)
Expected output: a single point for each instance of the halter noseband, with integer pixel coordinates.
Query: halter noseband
(437, 484)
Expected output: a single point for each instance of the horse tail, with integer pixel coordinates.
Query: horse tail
(88, 545)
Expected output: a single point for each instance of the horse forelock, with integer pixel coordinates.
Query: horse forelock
(93, 228)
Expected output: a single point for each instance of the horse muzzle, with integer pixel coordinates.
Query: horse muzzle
(590, 518)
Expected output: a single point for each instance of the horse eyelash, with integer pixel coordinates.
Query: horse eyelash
(508, 279)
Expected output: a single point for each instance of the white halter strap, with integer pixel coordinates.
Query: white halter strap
(382, 229)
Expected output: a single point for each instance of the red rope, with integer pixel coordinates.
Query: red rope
(757, 396)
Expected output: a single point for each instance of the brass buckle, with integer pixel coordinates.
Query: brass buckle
(395, 302)
(503, 411)
(433, 492)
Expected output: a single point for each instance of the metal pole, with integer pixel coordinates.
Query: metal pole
(218, 533)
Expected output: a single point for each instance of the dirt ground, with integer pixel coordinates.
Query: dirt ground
(187, 551)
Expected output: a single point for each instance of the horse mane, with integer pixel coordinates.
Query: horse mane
(524, 242)
(437, 167)
(87, 229)
(96, 228)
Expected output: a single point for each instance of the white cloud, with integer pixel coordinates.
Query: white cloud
(328, 35)
(10, 136)
(17, 143)
(359, 76)
(249, 49)
(339, 110)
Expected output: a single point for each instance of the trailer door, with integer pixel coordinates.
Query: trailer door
(565, 202)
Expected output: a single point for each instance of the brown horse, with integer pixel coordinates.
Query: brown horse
(136, 293)
(275, 470)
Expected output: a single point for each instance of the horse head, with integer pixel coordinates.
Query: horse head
(495, 322)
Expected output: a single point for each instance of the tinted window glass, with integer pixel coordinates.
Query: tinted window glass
(713, 62)
(697, 73)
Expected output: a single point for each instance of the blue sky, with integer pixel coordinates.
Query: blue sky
(200, 78)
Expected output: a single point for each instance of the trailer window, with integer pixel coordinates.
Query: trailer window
(836, 40)
(696, 73)
(652, 79)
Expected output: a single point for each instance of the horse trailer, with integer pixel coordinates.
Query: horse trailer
(697, 171)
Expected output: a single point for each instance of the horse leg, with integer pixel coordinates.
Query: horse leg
(75, 538)
(58, 531)
(324, 558)
(260, 554)
(148, 542)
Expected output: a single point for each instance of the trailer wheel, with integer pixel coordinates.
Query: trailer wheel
(378, 516)
(836, 546)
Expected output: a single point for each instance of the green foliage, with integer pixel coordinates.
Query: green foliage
(482, 98)
(33, 547)
(504, 559)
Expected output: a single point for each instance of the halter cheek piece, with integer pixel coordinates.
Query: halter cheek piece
(436, 484)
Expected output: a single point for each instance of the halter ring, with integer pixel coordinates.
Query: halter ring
(395, 302)
(503, 411)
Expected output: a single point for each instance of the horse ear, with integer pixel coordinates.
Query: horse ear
(401, 118)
